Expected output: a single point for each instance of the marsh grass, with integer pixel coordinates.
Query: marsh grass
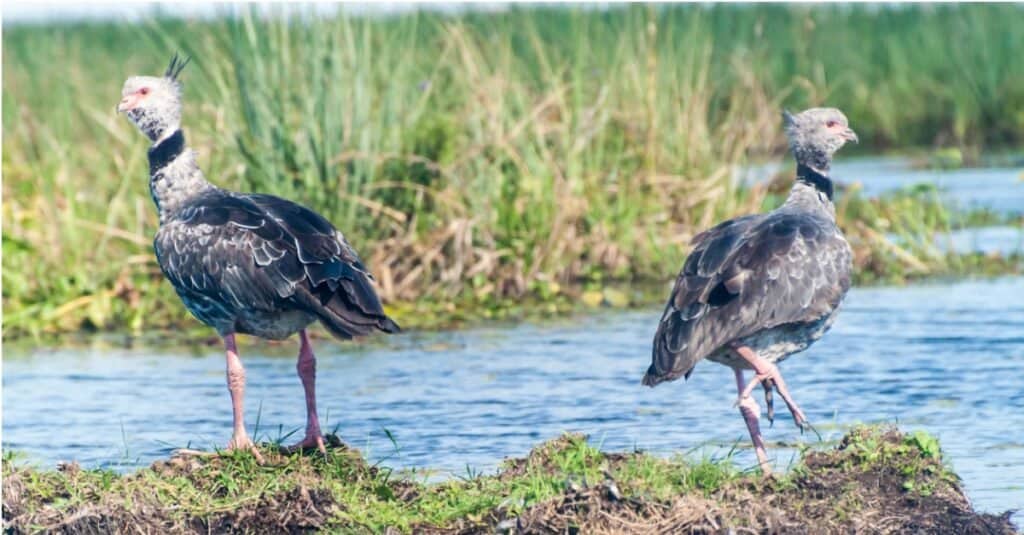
(875, 476)
(479, 159)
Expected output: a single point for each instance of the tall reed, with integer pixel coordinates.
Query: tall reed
(480, 156)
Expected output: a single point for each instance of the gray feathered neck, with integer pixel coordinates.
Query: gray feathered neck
(813, 144)
(174, 175)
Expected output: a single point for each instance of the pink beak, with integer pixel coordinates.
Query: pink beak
(127, 103)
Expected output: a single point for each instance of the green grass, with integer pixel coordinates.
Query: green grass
(873, 471)
(476, 159)
(372, 498)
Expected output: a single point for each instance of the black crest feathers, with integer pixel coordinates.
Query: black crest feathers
(787, 118)
(174, 69)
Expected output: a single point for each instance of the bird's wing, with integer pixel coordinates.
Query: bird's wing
(337, 286)
(265, 253)
(746, 275)
(220, 249)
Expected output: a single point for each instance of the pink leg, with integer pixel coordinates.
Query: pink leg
(307, 373)
(236, 386)
(768, 371)
(751, 412)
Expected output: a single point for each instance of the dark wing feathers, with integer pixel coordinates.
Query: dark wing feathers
(266, 253)
(745, 275)
(336, 275)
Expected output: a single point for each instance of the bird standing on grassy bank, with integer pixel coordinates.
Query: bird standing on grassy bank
(246, 263)
(759, 288)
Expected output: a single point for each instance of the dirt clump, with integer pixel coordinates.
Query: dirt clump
(877, 480)
(874, 481)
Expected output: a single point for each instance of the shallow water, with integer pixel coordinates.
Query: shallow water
(942, 357)
(1004, 240)
(999, 189)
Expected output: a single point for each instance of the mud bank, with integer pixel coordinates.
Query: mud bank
(876, 480)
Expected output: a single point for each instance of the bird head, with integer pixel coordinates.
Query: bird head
(153, 103)
(816, 134)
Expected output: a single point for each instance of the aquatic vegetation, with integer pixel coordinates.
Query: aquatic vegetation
(875, 476)
(481, 158)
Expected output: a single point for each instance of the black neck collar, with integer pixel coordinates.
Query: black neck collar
(821, 182)
(166, 151)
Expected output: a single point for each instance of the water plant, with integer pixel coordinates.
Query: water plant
(481, 158)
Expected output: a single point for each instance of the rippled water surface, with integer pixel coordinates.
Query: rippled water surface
(947, 358)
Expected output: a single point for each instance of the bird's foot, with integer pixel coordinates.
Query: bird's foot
(771, 379)
(769, 401)
(237, 443)
(244, 443)
(311, 442)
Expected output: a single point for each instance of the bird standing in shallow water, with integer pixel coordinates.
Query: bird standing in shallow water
(759, 288)
(247, 263)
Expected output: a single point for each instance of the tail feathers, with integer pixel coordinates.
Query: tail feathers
(343, 319)
(652, 377)
(672, 357)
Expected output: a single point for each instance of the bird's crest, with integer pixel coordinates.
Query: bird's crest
(174, 69)
(787, 118)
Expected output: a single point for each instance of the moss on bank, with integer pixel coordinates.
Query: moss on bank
(876, 479)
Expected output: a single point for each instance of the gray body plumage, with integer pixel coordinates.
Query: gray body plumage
(255, 264)
(772, 282)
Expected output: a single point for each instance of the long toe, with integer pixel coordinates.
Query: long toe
(769, 401)
(244, 443)
(311, 442)
(186, 452)
(772, 379)
(799, 418)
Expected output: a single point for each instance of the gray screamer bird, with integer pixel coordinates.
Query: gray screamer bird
(759, 288)
(246, 263)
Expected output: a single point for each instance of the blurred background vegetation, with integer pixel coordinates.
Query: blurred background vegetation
(483, 161)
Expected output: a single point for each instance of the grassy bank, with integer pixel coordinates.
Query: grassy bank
(483, 159)
(875, 477)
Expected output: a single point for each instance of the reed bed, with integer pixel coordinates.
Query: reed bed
(480, 158)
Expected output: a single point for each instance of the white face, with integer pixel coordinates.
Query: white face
(146, 91)
(152, 103)
(830, 127)
(819, 130)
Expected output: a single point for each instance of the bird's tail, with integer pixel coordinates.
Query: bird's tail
(346, 314)
(671, 357)
(652, 377)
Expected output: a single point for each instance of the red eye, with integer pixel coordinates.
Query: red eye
(144, 91)
(831, 124)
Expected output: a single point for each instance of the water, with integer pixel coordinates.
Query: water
(1003, 240)
(999, 189)
(946, 358)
